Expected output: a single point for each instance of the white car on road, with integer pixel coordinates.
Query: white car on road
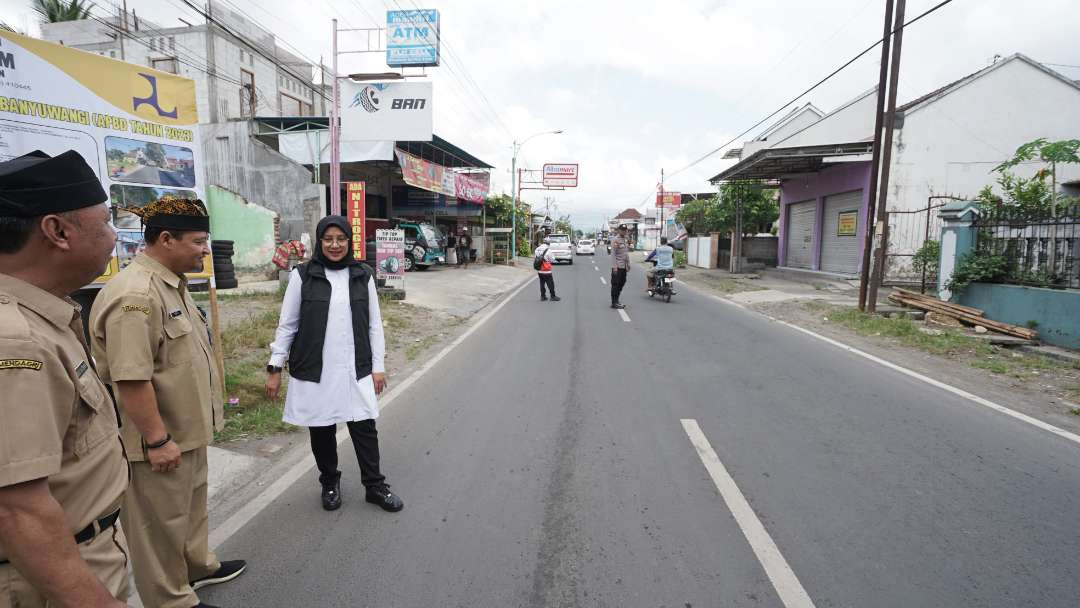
(585, 247)
(560, 247)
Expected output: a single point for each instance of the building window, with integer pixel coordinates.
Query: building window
(247, 93)
(291, 106)
(112, 54)
(172, 43)
(165, 65)
(153, 44)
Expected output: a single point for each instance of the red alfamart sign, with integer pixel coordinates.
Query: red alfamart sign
(355, 211)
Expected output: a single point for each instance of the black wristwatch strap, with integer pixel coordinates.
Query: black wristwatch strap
(160, 444)
(273, 369)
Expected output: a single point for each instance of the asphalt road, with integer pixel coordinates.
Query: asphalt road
(545, 463)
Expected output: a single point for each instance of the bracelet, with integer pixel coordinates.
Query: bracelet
(159, 444)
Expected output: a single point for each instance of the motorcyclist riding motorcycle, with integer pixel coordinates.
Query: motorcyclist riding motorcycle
(665, 260)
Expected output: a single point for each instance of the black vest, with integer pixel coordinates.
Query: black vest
(305, 357)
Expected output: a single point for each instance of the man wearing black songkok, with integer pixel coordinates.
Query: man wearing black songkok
(62, 466)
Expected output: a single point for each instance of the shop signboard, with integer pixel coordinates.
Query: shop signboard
(412, 38)
(468, 188)
(669, 200)
(355, 212)
(429, 176)
(390, 257)
(847, 223)
(135, 126)
(386, 111)
(560, 175)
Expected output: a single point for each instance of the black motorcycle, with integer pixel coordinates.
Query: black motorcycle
(663, 283)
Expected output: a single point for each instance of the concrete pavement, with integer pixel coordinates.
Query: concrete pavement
(547, 463)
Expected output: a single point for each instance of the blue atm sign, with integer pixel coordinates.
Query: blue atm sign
(412, 38)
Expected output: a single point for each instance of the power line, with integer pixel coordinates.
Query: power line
(807, 91)
(250, 45)
(467, 78)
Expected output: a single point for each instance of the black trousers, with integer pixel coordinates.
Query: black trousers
(618, 280)
(546, 281)
(365, 440)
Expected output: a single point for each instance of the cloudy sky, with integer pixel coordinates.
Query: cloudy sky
(639, 86)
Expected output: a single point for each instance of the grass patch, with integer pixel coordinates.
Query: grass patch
(726, 285)
(246, 347)
(904, 330)
(998, 367)
(1075, 411)
(982, 355)
(416, 348)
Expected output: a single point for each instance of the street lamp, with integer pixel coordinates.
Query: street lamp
(513, 187)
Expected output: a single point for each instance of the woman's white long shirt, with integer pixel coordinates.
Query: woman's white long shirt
(338, 396)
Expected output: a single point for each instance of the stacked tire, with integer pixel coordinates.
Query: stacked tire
(224, 275)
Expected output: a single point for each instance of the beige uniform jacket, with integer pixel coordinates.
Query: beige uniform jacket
(56, 418)
(145, 326)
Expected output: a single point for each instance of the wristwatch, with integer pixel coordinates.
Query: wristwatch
(273, 369)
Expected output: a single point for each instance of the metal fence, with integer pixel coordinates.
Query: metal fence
(1036, 248)
(909, 231)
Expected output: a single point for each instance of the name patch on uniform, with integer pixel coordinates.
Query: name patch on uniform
(79, 371)
(20, 364)
(175, 313)
(136, 308)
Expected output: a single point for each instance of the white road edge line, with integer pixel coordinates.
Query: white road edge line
(625, 317)
(603, 280)
(959, 392)
(245, 514)
(780, 574)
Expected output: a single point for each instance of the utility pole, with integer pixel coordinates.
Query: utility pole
(335, 132)
(875, 158)
(211, 65)
(886, 160)
(123, 30)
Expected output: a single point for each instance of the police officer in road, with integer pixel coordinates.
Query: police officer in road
(62, 466)
(152, 344)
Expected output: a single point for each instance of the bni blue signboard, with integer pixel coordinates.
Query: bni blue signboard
(412, 38)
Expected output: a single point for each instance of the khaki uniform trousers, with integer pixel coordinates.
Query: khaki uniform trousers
(106, 554)
(165, 518)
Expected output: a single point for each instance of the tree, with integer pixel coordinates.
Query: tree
(719, 213)
(499, 213)
(562, 225)
(1050, 152)
(156, 153)
(54, 11)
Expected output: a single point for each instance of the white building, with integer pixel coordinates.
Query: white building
(946, 143)
(240, 72)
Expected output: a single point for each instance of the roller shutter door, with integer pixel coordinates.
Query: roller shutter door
(840, 253)
(800, 234)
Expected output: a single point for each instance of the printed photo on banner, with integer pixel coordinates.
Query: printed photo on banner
(144, 162)
(138, 196)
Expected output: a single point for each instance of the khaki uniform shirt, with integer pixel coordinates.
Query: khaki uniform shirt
(56, 418)
(144, 326)
(620, 253)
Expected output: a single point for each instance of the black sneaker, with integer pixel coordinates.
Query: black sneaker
(227, 572)
(382, 496)
(543, 298)
(619, 306)
(556, 299)
(331, 496)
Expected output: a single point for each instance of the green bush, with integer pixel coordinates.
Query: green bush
(927, 257)
(680, 259)
(977, 268)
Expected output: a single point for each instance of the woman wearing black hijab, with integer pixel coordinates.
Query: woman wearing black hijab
(331, 334)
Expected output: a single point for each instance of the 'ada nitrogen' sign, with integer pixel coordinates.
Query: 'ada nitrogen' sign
(564, 175)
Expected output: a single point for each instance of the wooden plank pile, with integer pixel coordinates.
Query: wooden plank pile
(964, 314)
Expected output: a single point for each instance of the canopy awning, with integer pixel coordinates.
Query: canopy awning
(779, 163)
